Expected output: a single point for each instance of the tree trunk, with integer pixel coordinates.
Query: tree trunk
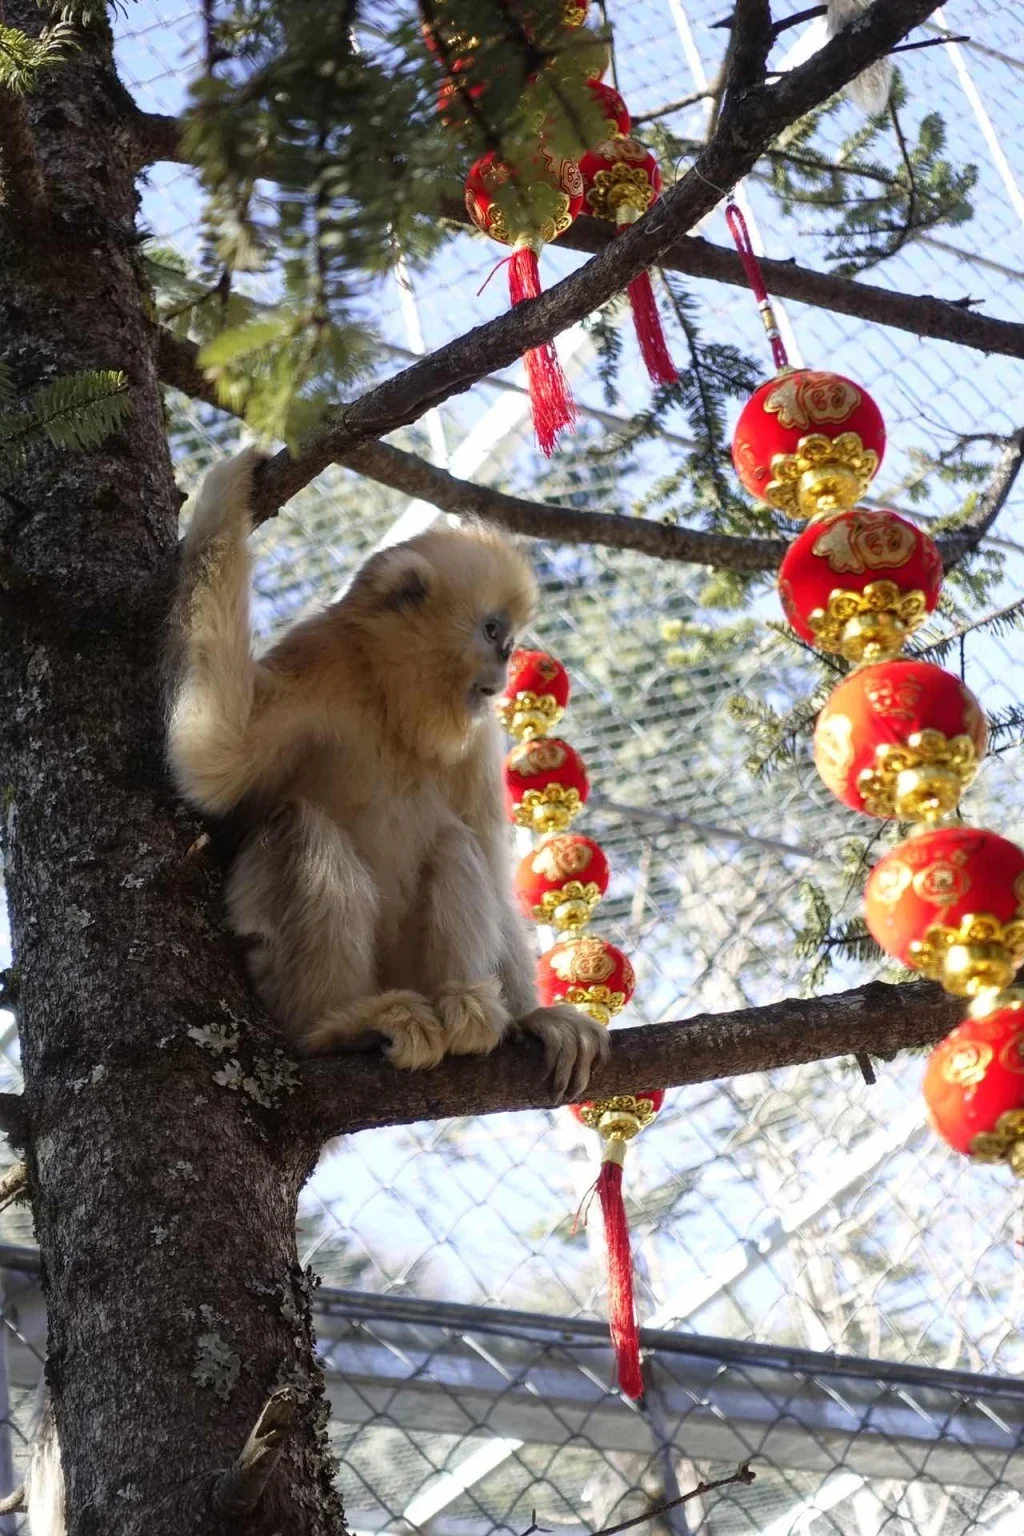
(163, 1188)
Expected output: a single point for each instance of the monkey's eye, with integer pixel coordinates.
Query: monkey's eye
(492, 629)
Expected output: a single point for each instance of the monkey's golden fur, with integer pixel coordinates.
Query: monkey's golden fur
(373, 885)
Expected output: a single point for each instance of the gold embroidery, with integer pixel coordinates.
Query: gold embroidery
(865, 541)
(808, 398)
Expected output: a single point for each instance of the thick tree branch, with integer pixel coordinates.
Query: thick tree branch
(750, 43)
(745, 130)
(955, 546)
(158, 137)
(349, 1093)
(237, 1491)
(13, 1118)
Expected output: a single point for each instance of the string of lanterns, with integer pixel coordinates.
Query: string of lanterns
(528, 205)
(898, 737)
(559, 885)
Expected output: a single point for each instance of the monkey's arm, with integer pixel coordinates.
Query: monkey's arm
(572, 1041)
(228, 722)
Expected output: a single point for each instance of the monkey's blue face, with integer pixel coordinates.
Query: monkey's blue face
(492, 646)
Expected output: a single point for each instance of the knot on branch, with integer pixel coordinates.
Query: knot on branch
(237, 1491)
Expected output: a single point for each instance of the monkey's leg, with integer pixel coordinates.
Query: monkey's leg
(460, 943)
(300, 889)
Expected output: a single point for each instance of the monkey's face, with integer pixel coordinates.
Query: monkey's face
(441, 615)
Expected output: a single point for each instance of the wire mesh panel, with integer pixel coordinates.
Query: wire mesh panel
(780, 1220)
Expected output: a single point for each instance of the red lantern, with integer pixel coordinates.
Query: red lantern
(562, 881)
(612, 107)
(808, 442)
(526, 211)
(621, 180)
(535, 695)
(589, 972)
(974, 1084)
(901, 738)
(618, 1120)
(452, 94)
(545, 784)
(950, 903)
(860, 582)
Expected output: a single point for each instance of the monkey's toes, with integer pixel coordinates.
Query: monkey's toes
(572, 1042)
(474, 1016)
(415, 1034)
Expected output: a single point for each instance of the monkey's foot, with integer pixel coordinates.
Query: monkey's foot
(474, 1016)
(572, 1044)
(415, 1035)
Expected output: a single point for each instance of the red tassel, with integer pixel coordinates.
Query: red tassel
(550, 399)
(621, 1305)
(647, 323)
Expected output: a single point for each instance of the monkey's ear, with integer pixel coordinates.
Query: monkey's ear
(398, 578)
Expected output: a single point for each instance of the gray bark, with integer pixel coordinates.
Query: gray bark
(164, 1195)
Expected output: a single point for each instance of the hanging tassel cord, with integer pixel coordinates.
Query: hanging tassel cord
(752, 267)
(621, 1302)
(647, 324)
(646, 319)
(553, 407)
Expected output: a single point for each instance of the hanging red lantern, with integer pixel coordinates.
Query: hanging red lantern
(618, 1121)
(858, 583)
(808, 442)
(527, 210)
(974, 1084)
(589, 972)
(950, 903)
(612, 108)
(621, 180)
(546, 784)
(452, 94)
(561, 882)
(901, 738)
(535, 696)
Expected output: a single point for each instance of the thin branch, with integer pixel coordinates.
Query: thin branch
(237, 1491)
(343, 1095)
(956, 546)
(752, 119)
(15, 1502)
(543, 520)
(177, 364)
(932, 42)
(743, 1474)
(13, 1184)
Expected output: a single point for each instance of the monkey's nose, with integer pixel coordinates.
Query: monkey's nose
(488, 691)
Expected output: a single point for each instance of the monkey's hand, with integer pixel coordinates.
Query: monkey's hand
(224, 498)
(572, 1044)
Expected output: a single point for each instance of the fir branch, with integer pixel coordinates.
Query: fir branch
(75, 412)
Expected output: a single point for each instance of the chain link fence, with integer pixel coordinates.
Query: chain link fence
(827, 1290)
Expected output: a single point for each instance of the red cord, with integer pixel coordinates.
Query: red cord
(752, 267)
(621, 1305)
(550, 398)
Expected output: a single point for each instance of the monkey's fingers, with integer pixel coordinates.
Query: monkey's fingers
(572, 1042)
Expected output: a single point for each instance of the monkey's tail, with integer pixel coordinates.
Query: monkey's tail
(870, 90)
(44, 1486)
